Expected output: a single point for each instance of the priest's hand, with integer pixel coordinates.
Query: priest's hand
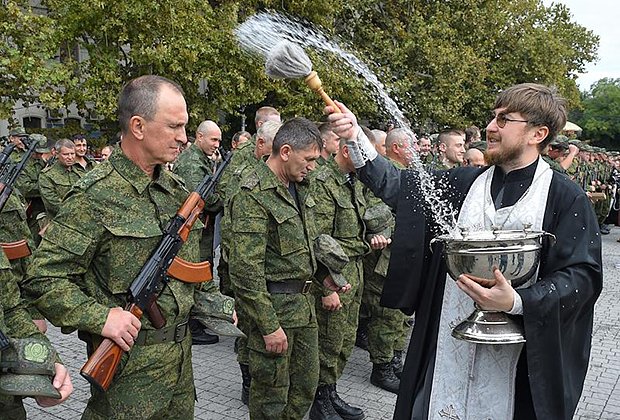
(490, 295)
(343, 123)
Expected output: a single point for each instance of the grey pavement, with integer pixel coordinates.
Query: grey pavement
(218, 382)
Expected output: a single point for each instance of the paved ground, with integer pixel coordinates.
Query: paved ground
(218, 381)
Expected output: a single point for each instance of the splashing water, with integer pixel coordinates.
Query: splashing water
(261, 32)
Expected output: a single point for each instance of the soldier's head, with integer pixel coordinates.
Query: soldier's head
(424, 146)
(296, 147)
(451, 144)
(264, 114)
(15, 137)
(152, 115)
(525, 118)
(379, 142)
(81, 146)
(330, 140)
(400, 145)
(106, 151)
(474, 157)
(65, 152)
(208, 137)
(264, 138)
(239, 138)
(343, 157)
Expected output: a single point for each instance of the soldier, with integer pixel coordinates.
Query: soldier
(330, 144)
(271, 267)
(83, 163)
(16, 320)
(242, 162)
(400, 145)
(451, 144)
(56, 180)
(379, 137)
(105, 231)
(424, 144)
(340, 206)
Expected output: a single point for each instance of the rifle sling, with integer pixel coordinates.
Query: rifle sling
(16, 250)
(189, 272)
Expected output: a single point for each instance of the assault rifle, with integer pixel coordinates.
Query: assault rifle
(10, 175)
(4, 341)
(142, 297)
(6, 152)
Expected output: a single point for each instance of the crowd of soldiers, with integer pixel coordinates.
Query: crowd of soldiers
(304, 251)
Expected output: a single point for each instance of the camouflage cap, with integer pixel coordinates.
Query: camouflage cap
(28, 368)
(329, 253)
(17, 131)
(215, 312)
(378, 220)
(42, 143)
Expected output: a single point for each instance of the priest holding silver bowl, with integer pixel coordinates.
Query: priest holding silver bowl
(524, 352)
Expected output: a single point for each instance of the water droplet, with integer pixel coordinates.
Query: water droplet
(552, 287)
(574, 237)
(576, 214)
(583, 228)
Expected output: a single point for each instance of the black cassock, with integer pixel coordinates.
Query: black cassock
(557, 310)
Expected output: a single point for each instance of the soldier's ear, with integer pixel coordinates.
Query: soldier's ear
(137, 126)
(285, 152)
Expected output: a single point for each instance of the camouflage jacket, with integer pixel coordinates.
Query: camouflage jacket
(105, 231)
(272, 242)
(243, 159)
(340, 207)
(90, 165)
(27, 182)
(193, 165)
(553, 164)
(13, 228)
(54, 184)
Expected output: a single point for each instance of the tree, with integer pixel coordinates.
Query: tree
(600, 118)
(443, 61)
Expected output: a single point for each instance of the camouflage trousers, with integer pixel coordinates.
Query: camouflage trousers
(387, 328)
(11, 408)
(241, 343)
(283, 386)
(337, 329)
(153, 382)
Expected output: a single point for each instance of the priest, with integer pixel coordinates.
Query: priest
(448, 378)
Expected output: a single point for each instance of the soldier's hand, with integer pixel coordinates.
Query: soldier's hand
(331, 302)
(331, 285)
(122, 327)
(276, 342)
(344, 124)
(62, 382)
(379, 242)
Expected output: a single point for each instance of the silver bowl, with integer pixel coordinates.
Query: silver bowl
(515, 252)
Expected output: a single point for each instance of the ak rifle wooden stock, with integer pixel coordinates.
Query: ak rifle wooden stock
(101, 366)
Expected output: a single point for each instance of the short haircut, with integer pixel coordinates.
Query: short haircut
(204, 126)
(325, 128)
(400, 136)
(375, 135)
(239, 134)
(299, 133)
(139, 97)
(268, 131)
(540, 105)
(263, 113)
(64, 143)
(445, 135)
(471, 133)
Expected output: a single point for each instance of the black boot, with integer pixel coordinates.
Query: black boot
(397, 363)
(361, 337)
(246, 379)
(346, 411)
(199, 336)
(383, 376)
(322, 408)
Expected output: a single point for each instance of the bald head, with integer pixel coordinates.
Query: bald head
(208, 137)
(379, 142)
(399, 145)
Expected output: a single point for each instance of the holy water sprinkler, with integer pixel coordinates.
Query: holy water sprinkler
(289, 61)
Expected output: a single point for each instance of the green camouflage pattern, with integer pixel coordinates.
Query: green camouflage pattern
(553, 164)
(90, 165)
(105, 231)
(28, 368)
(27, 182)
(329, 253)
(273, 242)
(54, 184)
(215, 312)
(340, 206)
(386, 327)
(193, 165)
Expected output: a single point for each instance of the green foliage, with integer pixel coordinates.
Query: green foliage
(600, 117)
(443, 61)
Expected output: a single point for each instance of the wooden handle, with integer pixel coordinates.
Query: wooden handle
(314, 83)
(100, 368)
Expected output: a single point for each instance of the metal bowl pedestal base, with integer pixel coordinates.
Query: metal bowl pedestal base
(490, 327)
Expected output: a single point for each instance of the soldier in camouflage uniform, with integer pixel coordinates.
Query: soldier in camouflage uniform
(56, 180)
(271, 267)
(83, 163)
(340, 206)
(330, 144)
(245, 158)
(107, 227)
(15, 319)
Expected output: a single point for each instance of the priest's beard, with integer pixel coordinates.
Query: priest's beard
(506, 154)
